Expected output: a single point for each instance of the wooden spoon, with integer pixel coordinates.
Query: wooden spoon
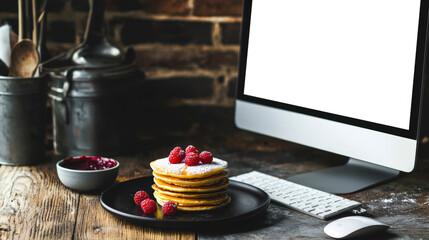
(24, 59)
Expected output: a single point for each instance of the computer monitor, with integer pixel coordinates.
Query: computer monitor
(345, 76)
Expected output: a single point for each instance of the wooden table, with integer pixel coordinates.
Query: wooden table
(35, 205)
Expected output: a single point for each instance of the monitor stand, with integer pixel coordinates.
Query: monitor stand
(355, 175)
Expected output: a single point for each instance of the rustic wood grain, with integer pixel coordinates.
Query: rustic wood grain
(93, 222)
(34, 204)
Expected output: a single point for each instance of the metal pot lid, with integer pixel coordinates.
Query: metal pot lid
(63, 65)
(99, 54)
(96, 50)
(86, 74)
(77, 82)
(80, 81)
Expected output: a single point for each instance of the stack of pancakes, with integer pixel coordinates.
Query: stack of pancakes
(191, 188)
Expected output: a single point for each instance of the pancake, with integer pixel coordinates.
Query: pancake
(191, 202)
(192, 188)
(181, 170)
(197, 208)
(189, 195)
(202, 189)
(193, 182)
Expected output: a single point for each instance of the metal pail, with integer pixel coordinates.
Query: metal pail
(93, 110)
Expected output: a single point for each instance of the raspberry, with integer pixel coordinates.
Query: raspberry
(148, 206)
(191, 149)
(169, 208)
(176, 155)
(192, 159)
(140, 196)
(176, 150)
(206, 157)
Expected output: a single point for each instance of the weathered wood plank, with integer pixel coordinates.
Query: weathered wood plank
(34, 204)
(93, 222)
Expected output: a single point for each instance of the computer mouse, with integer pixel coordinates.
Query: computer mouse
(354, 226)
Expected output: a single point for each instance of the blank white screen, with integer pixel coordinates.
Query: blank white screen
(353, 58)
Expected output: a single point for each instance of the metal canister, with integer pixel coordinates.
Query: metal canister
(93, 93)
(93, 109)
(22, 120)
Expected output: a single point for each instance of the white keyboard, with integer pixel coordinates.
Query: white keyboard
(307, 200)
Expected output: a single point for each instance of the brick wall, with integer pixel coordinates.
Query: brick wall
(187, 48)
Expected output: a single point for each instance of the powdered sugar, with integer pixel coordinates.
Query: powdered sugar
(163, 166)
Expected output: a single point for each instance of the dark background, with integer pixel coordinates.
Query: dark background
(187, 48)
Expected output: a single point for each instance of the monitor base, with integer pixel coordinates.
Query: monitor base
(355, 175)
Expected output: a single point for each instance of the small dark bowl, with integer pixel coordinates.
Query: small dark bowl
(87, 180)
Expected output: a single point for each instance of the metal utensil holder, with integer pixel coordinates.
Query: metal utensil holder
(22, 120)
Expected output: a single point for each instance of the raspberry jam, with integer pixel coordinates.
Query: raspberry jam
(88, 163)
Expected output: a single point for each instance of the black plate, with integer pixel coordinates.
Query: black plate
(246, 201)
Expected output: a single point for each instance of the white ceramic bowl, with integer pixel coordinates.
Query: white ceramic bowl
(87, 180)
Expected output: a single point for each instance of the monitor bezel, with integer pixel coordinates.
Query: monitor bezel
(417, 94)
